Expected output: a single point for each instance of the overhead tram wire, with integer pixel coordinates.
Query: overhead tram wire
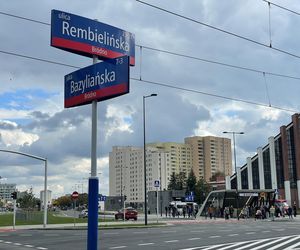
(219, 63)
(281, 7)
(214, 95)
(218, 29)
(159, 84)
(167, 52)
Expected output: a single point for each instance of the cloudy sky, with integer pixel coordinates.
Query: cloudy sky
(195, 97)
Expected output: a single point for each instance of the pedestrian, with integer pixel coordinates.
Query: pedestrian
(272, 213)
(231, 211)
(184, 211)
(226, 212)
(290, 212)
(166, 209)
(295, 209)
(210, 211)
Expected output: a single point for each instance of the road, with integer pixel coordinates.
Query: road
(204, 234)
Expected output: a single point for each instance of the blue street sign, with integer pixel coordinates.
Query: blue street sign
(99, 82)
(89, 37)
(189, 198)
(156, 183)
(102, 197)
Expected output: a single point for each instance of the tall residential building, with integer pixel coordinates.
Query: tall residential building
(5, 191)
(180, 156)
(210, 155)
(126, 171)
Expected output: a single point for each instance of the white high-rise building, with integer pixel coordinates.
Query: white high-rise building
(126, 171)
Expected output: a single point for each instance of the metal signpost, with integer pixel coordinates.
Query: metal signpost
(98, 82)
(88, 37)
(157, 185)
(74, 197)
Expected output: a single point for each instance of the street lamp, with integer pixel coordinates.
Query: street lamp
(235, 168)
(145, 178)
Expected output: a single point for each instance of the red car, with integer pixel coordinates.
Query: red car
(130, 213)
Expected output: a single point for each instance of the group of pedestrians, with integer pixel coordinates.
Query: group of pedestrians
(185, 212)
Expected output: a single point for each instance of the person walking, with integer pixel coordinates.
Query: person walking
(272, 213)
(295, 209)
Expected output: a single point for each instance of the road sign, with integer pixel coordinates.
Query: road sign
(102, 197)
(189, 198)
(99, 82)
(156, 183)
(75, 195)
(89, 37)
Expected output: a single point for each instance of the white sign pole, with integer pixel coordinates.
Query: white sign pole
(157, 204)
(14, 220)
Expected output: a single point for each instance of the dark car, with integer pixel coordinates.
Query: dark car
(130, 213)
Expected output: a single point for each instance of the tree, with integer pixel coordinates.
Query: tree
(202, 190)
(64, 201)
(28, 201)
(181, 181)
(191, 182)
(172, 183)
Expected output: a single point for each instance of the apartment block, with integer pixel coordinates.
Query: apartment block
(210, 155)
(126, 171)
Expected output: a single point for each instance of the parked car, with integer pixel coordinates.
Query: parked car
(130, 213)
(84, 214)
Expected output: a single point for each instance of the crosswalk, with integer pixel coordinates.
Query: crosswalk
(291, 242)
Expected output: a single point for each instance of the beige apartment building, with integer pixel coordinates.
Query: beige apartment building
(210, 154)
(205, 155)
(180, 155)
(126, 171)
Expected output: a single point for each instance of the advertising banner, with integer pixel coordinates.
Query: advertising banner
(88, 37)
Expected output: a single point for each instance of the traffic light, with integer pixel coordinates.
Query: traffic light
(14, 195)
(125, 197)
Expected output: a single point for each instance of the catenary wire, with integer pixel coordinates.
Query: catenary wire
(219, 29)
(220, 63)
(281, 7)
(160, 84)
(176, 54)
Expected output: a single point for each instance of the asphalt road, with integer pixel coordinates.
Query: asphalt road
(210, 234)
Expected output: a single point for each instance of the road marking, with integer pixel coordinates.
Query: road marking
(271, 243)
(146, 244)
(118, 247)
(266, 231)
(283, 243)
(170, 241)
(25, 235)
(28, 245)
(250, 233)
(194, 239)
(214, 236)
(233, 235)
(42, 248)
(7, 242)
(17, 244)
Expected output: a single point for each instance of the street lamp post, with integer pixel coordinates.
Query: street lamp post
(235, 168)
(145, 177)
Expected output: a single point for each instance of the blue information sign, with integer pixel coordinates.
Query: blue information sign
(102, 197)
(99, 82)
(89, 37)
